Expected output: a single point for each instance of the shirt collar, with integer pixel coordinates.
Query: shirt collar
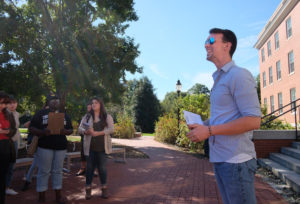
(225, 68)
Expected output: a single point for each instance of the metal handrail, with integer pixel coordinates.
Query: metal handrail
(294, 108)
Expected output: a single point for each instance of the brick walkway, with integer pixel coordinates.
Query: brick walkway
(169, 176)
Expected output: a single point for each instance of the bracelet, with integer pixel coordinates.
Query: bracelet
(209, 130)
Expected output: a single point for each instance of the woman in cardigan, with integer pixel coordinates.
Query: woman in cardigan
(97, 143)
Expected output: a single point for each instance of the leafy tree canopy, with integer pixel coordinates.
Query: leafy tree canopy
(75, 48)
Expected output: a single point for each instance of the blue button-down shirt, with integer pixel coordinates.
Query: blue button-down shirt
(233, 96)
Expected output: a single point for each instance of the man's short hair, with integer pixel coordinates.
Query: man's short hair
(228, 36)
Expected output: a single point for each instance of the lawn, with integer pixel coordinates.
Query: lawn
(148, 134)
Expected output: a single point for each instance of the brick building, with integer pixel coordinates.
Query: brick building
(279, 59)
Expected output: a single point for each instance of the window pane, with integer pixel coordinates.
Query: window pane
(276, 40)
(272, 103)
(293, 96)
(280, 102)
(264, 79)
(270, 75)
(269, 49)
(291, 62)
(263, 55)
(278, 70)
(288, 27)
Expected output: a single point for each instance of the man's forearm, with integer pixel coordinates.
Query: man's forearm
(237, 126)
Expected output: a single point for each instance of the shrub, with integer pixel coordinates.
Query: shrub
(166, 129)
(183, 141)
(124, 128)
(275, 124)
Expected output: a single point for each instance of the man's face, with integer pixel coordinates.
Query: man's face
(12, 106)
(54, 104)
(215, 47)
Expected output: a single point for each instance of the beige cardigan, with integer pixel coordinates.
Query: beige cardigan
(109, 129)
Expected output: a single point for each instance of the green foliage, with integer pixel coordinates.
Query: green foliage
(183, 141)
(141, 103)
(166, 129)
(169, 104)
(275, 124)
(196, 103)
(258, 87)
(75, 48)
(199, 89)
(147, 106)
(124, 128)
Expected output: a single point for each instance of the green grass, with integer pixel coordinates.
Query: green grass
(147, 134)
(73, 138)
(23, 130)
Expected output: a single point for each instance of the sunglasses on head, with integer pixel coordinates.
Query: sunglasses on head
(210, 41)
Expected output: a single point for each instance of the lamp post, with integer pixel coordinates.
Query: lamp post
(178, 88)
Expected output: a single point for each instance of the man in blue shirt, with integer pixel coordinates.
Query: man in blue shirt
(235, 113)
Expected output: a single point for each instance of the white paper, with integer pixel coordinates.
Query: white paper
(192, 118)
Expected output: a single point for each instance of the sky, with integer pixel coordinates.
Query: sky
(171, 35)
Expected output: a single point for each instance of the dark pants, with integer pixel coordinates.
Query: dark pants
(5, 159)
(83, 158)
(96, 159)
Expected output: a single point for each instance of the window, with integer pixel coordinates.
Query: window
(269, 49)
(293, 97)
(276, 36)
(288, 27)
(270, 75)
(278, 70)
(272, 103)
(280, 102)
(266, 103)
(291, 62)
(263, 54)
(264, 79)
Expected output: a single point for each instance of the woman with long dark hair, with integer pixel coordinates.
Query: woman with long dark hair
(97, 144)
(7, 150)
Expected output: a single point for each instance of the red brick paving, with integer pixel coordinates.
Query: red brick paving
(168, 177)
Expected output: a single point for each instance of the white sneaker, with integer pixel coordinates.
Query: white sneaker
(10, 191)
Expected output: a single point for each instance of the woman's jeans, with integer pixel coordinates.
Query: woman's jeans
(96, 159)
(32, 168)
(10, 171)
(50, 162)
(236, 181)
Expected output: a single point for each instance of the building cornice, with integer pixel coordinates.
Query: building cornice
(278, 16)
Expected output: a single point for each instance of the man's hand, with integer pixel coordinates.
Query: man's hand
(198, 132)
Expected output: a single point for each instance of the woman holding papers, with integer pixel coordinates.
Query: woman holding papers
(51, 127)
(97, 143)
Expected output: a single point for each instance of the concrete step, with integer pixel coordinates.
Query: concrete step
(296, 145)
(288, 176)
(293, 152)
(287, 161)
